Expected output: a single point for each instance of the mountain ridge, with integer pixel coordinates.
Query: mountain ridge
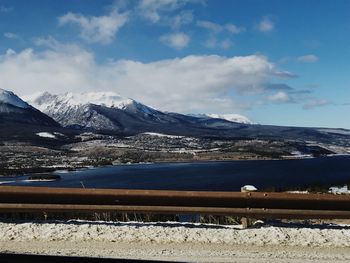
(14, 110)
(117, 116)
(103, 111)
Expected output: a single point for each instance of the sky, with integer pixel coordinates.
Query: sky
(276, 62)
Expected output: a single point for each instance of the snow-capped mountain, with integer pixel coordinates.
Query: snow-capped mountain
(15, 110)
(77, 110)
(108, 111)
(9, 97)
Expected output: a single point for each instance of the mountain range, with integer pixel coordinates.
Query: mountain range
(109, 113)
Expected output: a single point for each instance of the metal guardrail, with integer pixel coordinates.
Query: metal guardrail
(251, 204)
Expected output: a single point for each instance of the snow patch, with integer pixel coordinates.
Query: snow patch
(249, 188)
(46, 135)
(163, 135)
(339, 190)
(39, 180)
(336, 131)
(176, 233)
(231, 117)
(298, 192)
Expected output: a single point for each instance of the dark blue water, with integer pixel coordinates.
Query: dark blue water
(211, 176)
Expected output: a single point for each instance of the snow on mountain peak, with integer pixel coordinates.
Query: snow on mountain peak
(69, 99)
(108, 99)
(231, 117)
(11, 98)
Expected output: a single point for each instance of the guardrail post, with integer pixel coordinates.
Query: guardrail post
(247, 222)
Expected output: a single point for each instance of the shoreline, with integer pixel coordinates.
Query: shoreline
(51, 170)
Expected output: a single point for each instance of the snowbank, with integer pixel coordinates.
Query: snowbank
(170, 233)
(339, 190)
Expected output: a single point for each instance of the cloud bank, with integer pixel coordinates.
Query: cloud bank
(188, 84)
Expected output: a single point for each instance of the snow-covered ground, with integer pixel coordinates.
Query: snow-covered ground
(162, 135)
(339, 190)
(337, 131)
(180, 241)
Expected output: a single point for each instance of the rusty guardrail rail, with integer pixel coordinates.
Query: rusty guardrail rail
(251, 204)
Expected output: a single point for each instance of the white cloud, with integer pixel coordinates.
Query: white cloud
(265, 25)
(49, 42)
(188, 84)
(96, 29)
(233, 28)
(280, 96)
(183, 18)
(175, 40)
(279, 87)
(217, 28)
(214, 29)
(152, 9)
(285, 74)
(11, 35)
(210, 26)
(308, 58)
(316, 103)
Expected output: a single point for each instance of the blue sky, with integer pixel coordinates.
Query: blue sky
(277, 62)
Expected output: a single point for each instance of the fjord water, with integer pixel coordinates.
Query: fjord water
(210, 176)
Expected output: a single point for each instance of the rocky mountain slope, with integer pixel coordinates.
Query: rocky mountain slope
(109, 112)
(22, 123)
(15, 110)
